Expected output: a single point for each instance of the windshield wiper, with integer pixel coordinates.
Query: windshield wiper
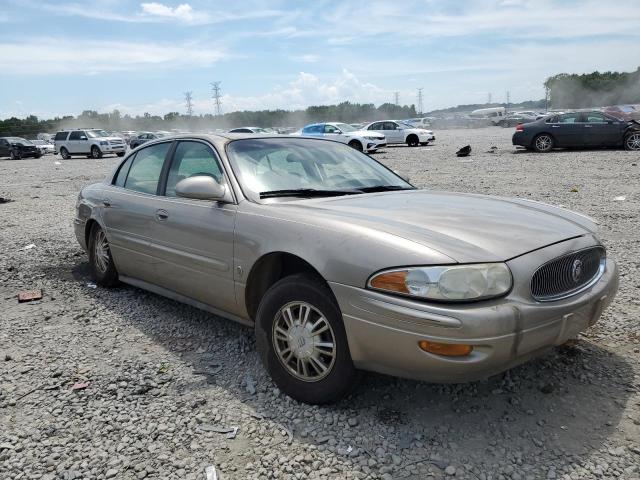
(307, 192)
(384, 188)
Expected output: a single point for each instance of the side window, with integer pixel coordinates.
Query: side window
(569, 118)
(61, 136)
(376, 126)
(552, 120)
(191, 159)
(144, 173)
(75, 135)
(596, 118)
(121, 176)
(313, 129)
(330, 129)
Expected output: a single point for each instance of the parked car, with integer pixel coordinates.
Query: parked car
(513, 119)
(249, 130)
(492, 115)
(45, 147)
(47, 137)
(92, 142)
(143, 137)
(421, 122)
(362, 140)
(623, 112)
(17, 148)
(339, 264)
(396, 132)
(578, 129)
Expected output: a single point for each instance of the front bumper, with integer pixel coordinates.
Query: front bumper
(113, 148)
(383, 330)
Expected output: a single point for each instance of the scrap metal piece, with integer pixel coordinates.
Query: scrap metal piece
(29, 295)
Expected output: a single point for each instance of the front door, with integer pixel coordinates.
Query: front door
(393, 132)
(77, 142)
(129, 211)
(193, 239)
(600, 130)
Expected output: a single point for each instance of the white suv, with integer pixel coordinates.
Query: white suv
(91, 142)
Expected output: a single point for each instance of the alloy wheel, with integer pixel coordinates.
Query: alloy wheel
(632, 142)
(304, 341)
(543, 143)
(101, 252)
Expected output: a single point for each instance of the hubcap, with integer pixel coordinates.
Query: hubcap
(101, 252)
(633, 141)
(304, 341)
(543, 142)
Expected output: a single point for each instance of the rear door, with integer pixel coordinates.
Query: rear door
(193, 239)
(600, 130)
(568, 130)
(129, 211)
(379, 128)
(393, 132)
(4, 148)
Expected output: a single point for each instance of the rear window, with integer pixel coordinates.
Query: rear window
(145, 170)
(61, 135)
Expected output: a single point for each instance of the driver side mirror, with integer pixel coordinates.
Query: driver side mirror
(200, 187)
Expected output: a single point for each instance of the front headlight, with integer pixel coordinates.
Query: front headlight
(373, 138)
(446, 283)
(104, 143)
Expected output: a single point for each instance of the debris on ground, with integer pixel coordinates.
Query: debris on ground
(210, 472)
(79, 386)
(91, 285)
(231, 432)
(493, 149)
(621, 198)
(212, 369)
(28, 247)
(29, 295)
(250, 385)
(5, 200)
(574, 190)
(464, 151)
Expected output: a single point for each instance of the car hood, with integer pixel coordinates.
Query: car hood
(464, 227)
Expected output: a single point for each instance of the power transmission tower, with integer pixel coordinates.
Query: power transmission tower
(396, 98)
(188, 102)
(420, 100)
(217, 97)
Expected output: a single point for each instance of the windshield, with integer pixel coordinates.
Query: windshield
(97, 133)
(345, 127)
(18, 140)
(266, 165)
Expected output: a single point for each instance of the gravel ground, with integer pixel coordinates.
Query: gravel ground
(161, 387)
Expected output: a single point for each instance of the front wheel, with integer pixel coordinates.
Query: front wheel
(95, 152)
(120, 154)
(355, 144)
(413, 141)
(103, 268)
(632, 141)
(15, 155)
(543, 143)
(302, 342)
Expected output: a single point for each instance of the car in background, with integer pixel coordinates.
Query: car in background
(250, 130)
(92, 142)
(578, 129)
(17, 148)
(340, 265)
(492, 115)
(397, 132)
(143, 137)
(45, 147)
(362, 140)
(514, 118)
(47, 137)
(624, 112)
(126, 135)
(421, 122)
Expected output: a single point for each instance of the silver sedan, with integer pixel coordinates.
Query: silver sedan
(339, 264)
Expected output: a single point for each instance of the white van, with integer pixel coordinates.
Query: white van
(494, 115)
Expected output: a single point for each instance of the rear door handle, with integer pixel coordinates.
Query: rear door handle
(162, 215)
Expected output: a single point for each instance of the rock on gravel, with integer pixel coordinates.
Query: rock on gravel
(572, 414)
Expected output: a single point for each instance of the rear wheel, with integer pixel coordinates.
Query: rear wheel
(103, 268)
(355, 144)
(413, 140)
(632, 141)
(543, 143)
(64, 153)
(302, 342)
(95, 152)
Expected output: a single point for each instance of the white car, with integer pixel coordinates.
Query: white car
(359, 139)
(398, 132)
(92, 142)
(44, 147)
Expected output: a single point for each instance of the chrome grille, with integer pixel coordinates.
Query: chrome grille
(567, 275)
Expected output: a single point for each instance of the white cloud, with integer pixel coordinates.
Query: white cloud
(307, 58)
(50, 56)
(181, 12)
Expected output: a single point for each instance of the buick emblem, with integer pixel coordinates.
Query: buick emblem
(576, 270)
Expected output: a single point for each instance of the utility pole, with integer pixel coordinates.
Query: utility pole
(217, 98)
(396, 98)
(508, 99)
(188, 102)
(420, 100)
(489, 98)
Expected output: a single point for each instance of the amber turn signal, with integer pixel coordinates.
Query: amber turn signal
(446, 349)
(391, 281)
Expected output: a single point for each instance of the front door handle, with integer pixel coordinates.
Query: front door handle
(162, 215)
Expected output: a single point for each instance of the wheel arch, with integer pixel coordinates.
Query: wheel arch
(270, 268)
(544, 132)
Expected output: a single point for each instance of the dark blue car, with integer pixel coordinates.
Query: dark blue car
(578, 129)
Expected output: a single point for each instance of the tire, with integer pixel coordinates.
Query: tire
(120, 154)
(103, 269)
(412, 140)
(95, 153)
(543, 143)
(15, 155)
(38, 155)
(333, 376)
(356, 144)
(64, 153)
(632, 141)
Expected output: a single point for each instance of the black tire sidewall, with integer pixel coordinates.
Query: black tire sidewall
(356, 144)
(104, 279)
(343, 375)
(95, 155)
(64, 153)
